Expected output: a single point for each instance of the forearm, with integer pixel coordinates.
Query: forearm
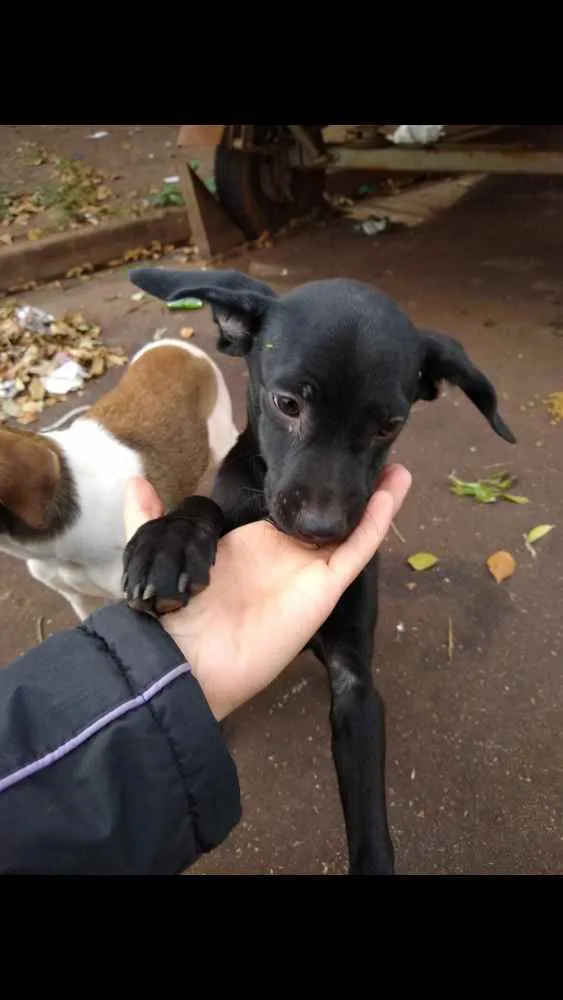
(111, 761)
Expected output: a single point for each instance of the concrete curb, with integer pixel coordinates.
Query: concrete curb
(53, 256)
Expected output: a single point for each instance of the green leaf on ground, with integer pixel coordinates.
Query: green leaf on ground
(421, 561)
(185, 304)
(488, 490)
(536, 533)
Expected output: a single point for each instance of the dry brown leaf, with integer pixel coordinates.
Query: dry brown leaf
(36, 389)
(130, 256)
(450, 640)
(115, 360)
(98, 366)
(555, 406)
(77, 320)
(34, 234)
(501, 565)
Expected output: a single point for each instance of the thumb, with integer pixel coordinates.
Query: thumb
(350, 558)
(142, 504)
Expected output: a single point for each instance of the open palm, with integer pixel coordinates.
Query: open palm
(268, 594)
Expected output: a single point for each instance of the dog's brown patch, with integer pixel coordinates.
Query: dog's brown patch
(160, 409)
(31, 472)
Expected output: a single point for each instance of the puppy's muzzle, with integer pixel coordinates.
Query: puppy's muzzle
(320, 527)
(318, 521)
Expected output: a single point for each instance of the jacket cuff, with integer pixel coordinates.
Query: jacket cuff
(144, 653)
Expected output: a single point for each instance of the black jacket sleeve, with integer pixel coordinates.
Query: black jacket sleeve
(111, 762)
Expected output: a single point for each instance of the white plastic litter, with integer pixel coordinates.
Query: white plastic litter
(8, 389)
(416, 135)
(98, 135)
(68, 377)
(172, 180)
(375, 224)
(33, 319)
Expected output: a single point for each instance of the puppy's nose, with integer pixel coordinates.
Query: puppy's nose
(321, 526)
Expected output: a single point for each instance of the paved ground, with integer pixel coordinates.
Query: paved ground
(475, 752)
(130, 163)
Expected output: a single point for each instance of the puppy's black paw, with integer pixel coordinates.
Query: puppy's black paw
(168, 559)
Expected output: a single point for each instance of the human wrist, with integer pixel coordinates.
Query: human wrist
(184, 642)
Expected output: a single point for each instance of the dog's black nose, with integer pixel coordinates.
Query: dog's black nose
(321, 526)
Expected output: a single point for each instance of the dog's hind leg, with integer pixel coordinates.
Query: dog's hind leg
(345, 645)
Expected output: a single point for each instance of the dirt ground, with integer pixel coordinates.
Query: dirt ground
(475, 758)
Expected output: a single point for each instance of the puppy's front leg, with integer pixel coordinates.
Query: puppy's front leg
(169, 559)
(345, 646)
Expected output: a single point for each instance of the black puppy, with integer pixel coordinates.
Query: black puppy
(335, 367)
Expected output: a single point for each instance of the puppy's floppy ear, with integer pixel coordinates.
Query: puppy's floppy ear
(29, 476)
(239, 303)
(444, 358)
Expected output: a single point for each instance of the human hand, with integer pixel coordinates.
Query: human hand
(268, 593)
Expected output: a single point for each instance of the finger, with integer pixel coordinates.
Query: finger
(142, 504)
(353, 555)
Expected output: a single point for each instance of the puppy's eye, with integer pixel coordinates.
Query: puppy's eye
(383, 433)
(288, 405)
(388, 429)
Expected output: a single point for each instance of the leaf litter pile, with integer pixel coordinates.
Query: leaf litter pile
(43, 358)
(71, 194)
(75, 195)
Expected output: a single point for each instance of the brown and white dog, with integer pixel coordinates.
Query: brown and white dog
(62, 492)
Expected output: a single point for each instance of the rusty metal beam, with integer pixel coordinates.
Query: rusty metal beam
(450, 159)
(312, 154)
(211, 229)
